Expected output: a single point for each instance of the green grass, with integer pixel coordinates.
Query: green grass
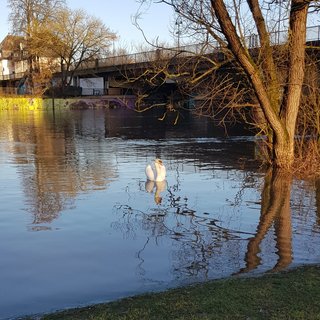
(288, 295)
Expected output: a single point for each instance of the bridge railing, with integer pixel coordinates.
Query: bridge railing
(251, 41)
(313, 33)
(149, 56)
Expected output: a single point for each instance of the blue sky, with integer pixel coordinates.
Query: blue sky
(116, 14)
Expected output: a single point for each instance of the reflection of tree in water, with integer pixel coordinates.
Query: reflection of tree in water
(54, 168)
(275, 211)
(196, 238)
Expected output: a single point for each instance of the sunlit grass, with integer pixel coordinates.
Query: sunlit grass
(20, 103)
(288, 295)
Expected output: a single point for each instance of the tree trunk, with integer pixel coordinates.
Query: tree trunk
(284, 145)
(281, 120)
(250, 68)
(283, 150)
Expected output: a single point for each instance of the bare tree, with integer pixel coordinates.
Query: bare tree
(77, 38)
(26, 17)
(242, 32)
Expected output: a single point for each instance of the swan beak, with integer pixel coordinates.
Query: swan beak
(159, 161)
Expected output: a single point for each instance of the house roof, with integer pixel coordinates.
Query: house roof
(10, 44)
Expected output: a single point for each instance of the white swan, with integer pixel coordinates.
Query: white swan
(158, 173)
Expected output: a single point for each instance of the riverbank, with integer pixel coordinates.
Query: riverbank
(294, 294)
(92, 102)
(21, 103)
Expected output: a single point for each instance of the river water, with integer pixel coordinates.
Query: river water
(79, 223)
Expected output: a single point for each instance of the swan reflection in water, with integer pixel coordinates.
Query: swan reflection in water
(160, 187)
(156, 175)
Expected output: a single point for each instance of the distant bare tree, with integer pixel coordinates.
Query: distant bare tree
(26, 17)
(77, 38)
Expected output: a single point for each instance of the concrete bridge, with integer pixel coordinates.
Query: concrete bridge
(114, 71)
(106, 76)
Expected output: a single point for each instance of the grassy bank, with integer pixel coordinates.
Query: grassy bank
(84, 102)
(32, 103)
(21, 103)
(288, 295)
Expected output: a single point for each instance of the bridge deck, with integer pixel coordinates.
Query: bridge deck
(112, 63)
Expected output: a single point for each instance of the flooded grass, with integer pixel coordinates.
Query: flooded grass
(293, 294)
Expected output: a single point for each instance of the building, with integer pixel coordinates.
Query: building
(13, 63)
